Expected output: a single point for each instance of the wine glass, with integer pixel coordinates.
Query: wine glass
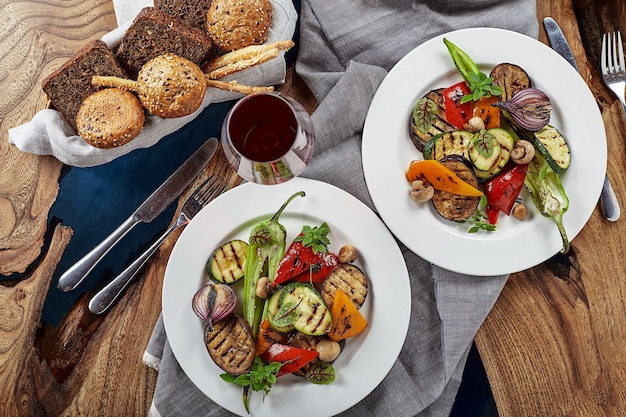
(268, 137)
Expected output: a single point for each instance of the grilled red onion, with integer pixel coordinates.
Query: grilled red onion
(214, 302)
(530, 108)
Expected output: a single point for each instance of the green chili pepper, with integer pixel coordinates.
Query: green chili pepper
(478, 82)
(548, 194)
(266, 248)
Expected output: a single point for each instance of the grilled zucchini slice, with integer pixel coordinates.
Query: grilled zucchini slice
(554, 148)
(455, 142)
(227, 263)
(507, 142)
(300, 307)
(550, 142)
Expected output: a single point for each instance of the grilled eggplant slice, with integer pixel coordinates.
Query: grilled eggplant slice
(438, 124)
(510, 78)
(231, 344)
(348, 278)
(457, 207)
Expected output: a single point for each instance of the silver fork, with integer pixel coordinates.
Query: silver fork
(614, 76)
(612, 64)
(206, 192)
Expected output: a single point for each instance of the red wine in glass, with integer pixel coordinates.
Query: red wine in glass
(268, 138)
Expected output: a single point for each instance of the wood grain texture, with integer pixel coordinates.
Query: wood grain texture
(37, 37)
(553, 345)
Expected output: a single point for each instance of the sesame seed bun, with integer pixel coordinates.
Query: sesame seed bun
(234, 24)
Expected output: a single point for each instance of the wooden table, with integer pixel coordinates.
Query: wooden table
(554, 343)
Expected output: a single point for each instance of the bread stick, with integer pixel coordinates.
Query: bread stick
(235, 86)
(247, 53)
(264, 56)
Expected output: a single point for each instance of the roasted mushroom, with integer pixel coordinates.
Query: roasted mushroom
(523, 152)
(421, 191)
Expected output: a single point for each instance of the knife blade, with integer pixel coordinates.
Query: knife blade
(145, 213)
(558, 42)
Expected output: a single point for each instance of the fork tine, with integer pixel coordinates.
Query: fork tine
(603, 59)
(613, 53)
(620, 50)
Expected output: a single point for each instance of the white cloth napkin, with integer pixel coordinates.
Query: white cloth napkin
(49, 134)
(346, 49)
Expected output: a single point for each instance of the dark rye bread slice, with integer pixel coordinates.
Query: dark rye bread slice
(70, 84)
(154, 33)
(192, 13)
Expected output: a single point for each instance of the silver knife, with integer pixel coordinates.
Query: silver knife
(147, 211)
(608, 200)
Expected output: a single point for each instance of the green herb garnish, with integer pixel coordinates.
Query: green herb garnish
(261, 377)
(315, 238)
(479, 220)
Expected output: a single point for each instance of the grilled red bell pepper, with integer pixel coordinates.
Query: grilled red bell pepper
(457, 114)
(291, 357)
(307, 260)
(503, 189)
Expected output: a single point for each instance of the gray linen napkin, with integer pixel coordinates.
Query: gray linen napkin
(346, 48)
(49, 134)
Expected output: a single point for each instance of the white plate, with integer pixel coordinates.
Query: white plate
(366, 358)
(387, 151)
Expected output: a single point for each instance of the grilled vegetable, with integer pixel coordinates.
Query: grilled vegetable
(440, 177)
(214, 302)
(450, 143)
(350, 279)
(452, 206)
(227, 263)
(265, 250)
(530, 108)
(548, 194)
(301, 307)
(550, 143)
(457, 113)
(484, 151)
(507, 143)
(510, 78)
(503, 190)
(347, 319)
(307, 259)
(489, 114)
(292, 358)
(268, 336)
(231, 345)
(428, 119)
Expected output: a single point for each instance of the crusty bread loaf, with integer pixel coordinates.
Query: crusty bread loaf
(154, 33)
(110, 117)
(235, 24)
(70, 84)
(192, 13)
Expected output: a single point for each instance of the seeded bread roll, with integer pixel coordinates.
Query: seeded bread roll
(70, 84)
(192, 13)
(234, 24)
(154, 33)
(171, 86)
(110, 118)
